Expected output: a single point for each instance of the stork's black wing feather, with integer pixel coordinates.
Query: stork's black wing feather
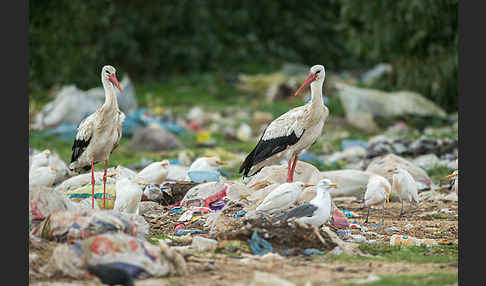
(306, 209)
(267, 148)
(78, 148)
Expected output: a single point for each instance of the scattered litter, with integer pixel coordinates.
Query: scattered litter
(258, 245)
(153, 139)
(203, 176)
(134, 255)
(392, 228)
(43, 201)
(409, 240)
(361, 105)
(181, 232)
(204, 244)
(244, 132)
(339, 219)
(67, 225)
(239, 214)
(312, 251)
(350, 214)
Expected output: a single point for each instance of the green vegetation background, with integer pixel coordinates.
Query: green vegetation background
(155, 41)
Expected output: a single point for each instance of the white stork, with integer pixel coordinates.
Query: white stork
(100, 133)
(292, 131)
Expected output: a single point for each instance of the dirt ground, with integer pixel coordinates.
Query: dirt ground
(242, 268)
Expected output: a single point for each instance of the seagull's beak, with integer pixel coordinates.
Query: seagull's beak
(163, 164)
(335, 186)
(308, 185)
(111, 175)
(308, 81)
(221, 163)
(141, 182)
(113, 79)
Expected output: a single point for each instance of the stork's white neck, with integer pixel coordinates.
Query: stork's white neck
(316, 93)
(110, 96)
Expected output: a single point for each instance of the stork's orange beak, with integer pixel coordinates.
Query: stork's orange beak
(310, 78)
(450, 176)
(113, 79)
(221, 163)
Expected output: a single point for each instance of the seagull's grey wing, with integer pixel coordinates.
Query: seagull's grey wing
(306, 209)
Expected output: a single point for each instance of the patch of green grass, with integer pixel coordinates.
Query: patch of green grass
(424, 279)
(153, 238)
(411, 254)
(439, 172)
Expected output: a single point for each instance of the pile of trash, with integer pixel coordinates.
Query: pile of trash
(200, 211)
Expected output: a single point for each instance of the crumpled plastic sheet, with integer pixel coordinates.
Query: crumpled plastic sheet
(258, 245)
(140, 118)
(134, 255)
(43, 201)
(202, 176)
(67, 226)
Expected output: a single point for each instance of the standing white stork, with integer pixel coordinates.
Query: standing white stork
(99, 134)
(292, 131)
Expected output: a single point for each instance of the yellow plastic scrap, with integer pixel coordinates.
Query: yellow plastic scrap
(203, 136)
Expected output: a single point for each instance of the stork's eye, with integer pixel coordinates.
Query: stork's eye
(318, 71)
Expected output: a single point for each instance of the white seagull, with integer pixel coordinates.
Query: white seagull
(100, 133)
(291, 132)
(155, 173)
(377, 192)
(206, 163)
(405, 186)
(128, 191)
(316, 212)
(282, 197)
(40, 159)
(42, 176)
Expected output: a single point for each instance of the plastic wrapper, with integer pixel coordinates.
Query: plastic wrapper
(67, 226)
(397, 239)
(86, 192)
(136, 256)
(43, 201)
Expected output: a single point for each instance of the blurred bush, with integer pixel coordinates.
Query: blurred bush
(70, 40)
(419, 38)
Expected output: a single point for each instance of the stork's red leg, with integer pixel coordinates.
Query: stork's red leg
(293, 169)
(104, 185)
(289, 170)
(92, 184)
